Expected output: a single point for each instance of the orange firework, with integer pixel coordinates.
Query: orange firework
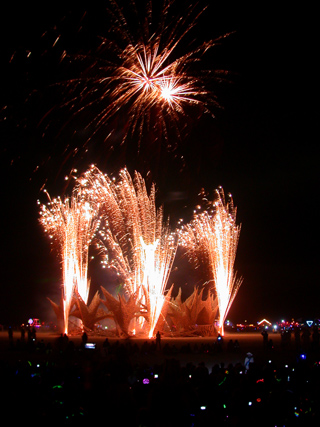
(144, 72)
(135, 241)
(71, 224)
(212, 239)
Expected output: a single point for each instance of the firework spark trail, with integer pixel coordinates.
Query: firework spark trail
(71, 224)
(138, 245)
(212, 238)
(156, 264)
(142, 71)
(226, 234)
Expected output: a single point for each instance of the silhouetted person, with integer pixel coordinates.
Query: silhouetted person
(84, 338)
(158, 340)
(285, 338)
(230, 346)
(106, 346)
(22, 332)
(10, 333)
(305, 336)
(33, 334)
(270, 344)
(60, 342)
(315, 338)
(219, 343)
(264, 333)
(248, 360)
(297, 338)
(65, 340)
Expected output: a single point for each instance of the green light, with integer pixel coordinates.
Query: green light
(222, 381)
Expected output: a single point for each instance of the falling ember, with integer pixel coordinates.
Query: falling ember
(71, 224)
(136, 242)
(214, 237)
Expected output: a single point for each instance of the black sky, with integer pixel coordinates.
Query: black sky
(262, 147)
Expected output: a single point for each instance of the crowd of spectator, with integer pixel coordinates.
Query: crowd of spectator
(68, 384)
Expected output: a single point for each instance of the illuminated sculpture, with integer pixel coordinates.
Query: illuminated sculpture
(194, 316)
(90, 314)
(122, 310)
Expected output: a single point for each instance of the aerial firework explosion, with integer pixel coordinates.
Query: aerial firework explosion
(148, 76)
(122, 80)
(71, 224)
(211, 240)
(139, 85)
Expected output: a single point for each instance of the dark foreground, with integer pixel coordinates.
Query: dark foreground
(186, 382)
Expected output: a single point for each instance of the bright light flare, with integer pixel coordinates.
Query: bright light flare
(176, 94)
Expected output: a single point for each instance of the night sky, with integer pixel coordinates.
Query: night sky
(262, 147)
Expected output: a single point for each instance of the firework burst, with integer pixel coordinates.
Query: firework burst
(71, 224)
(211, 240)
(143, 79)
(135, 240)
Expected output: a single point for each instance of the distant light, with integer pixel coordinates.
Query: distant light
(90, 345)
(203, 408)
(264, 321)
(145, 381)
(309, 323)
